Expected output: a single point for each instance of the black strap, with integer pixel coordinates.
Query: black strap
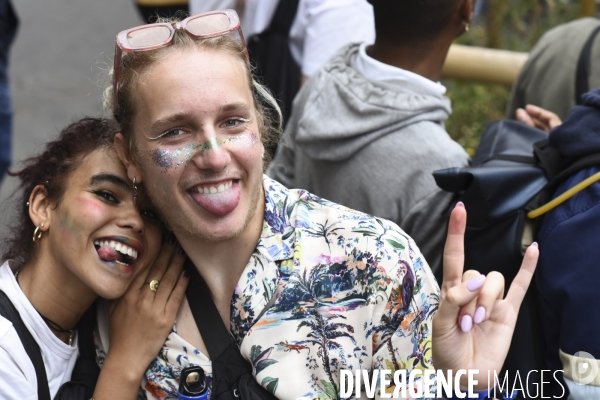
(8, 311)
(584, 162)
(583, 67)
(207, 317)
(85, 374)
(510, 157)
(284, 16)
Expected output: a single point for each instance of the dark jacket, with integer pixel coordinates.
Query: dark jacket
(568, 273)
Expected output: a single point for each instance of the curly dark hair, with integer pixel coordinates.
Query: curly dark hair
(52, 168)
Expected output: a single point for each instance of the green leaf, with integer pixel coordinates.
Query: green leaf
(255, 351)
(264, 364)
(365, 232)
(329, 389)
(270, 384)
(396, 245)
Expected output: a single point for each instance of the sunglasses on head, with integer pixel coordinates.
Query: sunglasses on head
(155, 36)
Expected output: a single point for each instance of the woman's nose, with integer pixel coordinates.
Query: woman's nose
(131, 219)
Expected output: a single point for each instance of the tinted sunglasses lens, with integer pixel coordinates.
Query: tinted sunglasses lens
(208, 24)
(149, 36)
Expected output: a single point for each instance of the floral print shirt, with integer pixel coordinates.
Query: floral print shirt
(351, 291)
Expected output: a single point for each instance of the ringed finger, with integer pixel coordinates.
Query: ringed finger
(161, 263)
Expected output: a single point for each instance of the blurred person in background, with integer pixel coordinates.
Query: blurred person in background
(8, 30)
(313, 30)
(562, 66)
(150, 10)
(367, 130)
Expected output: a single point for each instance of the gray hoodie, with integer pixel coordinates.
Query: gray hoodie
(372, 146)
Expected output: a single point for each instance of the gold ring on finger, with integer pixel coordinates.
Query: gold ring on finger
(154, 285)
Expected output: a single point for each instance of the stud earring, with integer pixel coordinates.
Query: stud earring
(135, 194)
(37, 234)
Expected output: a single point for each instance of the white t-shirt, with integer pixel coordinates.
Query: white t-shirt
(377, 71)
(17, 375)
(320, 28)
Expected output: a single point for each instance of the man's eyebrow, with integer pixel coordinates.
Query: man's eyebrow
(234, 106)
(102, 178)
(169, 119)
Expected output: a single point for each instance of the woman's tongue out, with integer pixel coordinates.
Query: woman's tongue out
(107, 253)
(221, 203)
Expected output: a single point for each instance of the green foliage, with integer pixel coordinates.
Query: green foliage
(512, 25)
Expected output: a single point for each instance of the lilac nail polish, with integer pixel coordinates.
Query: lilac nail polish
(460, 204)
(476, 283)
(534, 244)
(466, 323)
(479, 315)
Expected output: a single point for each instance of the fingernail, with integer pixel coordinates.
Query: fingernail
(181, 252)
(476, 283)
(171, 238)
(466, 323)
(186, 273)
(534, 244)
(460, 204)
(479, 315)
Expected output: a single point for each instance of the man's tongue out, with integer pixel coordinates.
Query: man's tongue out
(219, 203)
(107, 253)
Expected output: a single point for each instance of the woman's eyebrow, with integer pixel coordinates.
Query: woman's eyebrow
(101, 178)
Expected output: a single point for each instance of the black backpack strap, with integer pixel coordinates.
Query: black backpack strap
(85, 374)
(8, 311)
(283, 17)
(548, 158)
(583, 67)
(583, 162)
(207, 317)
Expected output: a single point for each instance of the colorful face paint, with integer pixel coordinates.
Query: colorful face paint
(71, 225)
(167, 159)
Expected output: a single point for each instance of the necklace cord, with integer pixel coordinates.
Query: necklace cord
(53, 325)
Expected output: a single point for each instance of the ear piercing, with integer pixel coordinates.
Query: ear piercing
(37, 234)
(135, 193)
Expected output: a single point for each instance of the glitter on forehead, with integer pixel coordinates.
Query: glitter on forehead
(176, 158)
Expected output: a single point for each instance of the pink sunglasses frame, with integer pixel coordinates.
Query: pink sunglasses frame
(122, 43)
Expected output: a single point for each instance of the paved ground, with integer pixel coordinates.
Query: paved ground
(57, 69)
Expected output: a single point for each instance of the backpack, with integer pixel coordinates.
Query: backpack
(506, 190)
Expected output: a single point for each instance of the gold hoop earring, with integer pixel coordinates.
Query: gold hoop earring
(37, 234)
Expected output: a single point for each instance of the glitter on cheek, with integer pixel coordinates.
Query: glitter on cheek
(242, 142)
(162, 158)
(167, 159)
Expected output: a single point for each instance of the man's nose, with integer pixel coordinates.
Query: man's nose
(212, 155)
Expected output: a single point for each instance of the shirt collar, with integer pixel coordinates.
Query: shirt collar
(278, 233)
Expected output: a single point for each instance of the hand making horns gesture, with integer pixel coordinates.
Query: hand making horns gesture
(474, 325)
